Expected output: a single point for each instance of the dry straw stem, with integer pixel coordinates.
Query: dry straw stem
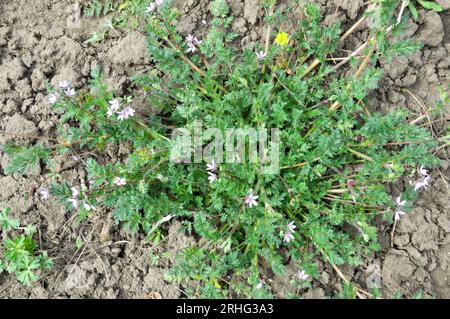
(316, 62)
(366, 61)
(359, 292)
(361, 68)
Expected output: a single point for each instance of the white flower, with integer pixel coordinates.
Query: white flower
(302, 275)
(119, 181)
(288, 237)
(191, 48)
(292, 227)
(400, 202)
(423, 171)
(74, 202)
(70, 92)
(192, 42)
(211, 167)
(44, 194)
(425, 179)
(63, 84)
(159, 2)
(115, 103)
(250, 200)
(259, 285)
(190, 38)
(75, 192)
(89, 207)
(53, 98)
(398, 214)
(212, 177)
(261, 55)
(423, 183)
(126, 113)
(151, 7)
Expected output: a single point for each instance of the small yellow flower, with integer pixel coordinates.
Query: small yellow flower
(216, 284)
(282, 38)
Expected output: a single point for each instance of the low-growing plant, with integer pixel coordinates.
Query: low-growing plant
(18, 253)
(335, 156)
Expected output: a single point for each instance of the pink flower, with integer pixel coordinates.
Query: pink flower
(398, 214)
(292, 227)
(63, 84)
(211, 167)
(113, 107)
(212, 177)
(423, 183)
(74, 202)
(260, 55)
(151, 7)
(288, 237)
(302, 275)
(192, 43)
(75, 192)
(126, 113)
(53, 98)
(423, 171)
(400, 202)
(425, 179)
(89, 207)
(119, 181)
(70, 92)
(44, 194)
(191, 48)
(114, 103)
(250, 200)
(190, 38)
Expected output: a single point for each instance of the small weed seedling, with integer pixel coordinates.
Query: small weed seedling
(18, 254)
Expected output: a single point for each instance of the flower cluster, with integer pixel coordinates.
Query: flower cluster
(289, 235)
(74, 201)
(399, 212)
(114, 106)
(212, 171)
(65, 89)
(192, 43)
(424, 181)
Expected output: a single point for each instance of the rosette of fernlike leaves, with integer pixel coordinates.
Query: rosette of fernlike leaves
(334, 162)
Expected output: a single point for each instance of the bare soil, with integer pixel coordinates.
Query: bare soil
(38, 43)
